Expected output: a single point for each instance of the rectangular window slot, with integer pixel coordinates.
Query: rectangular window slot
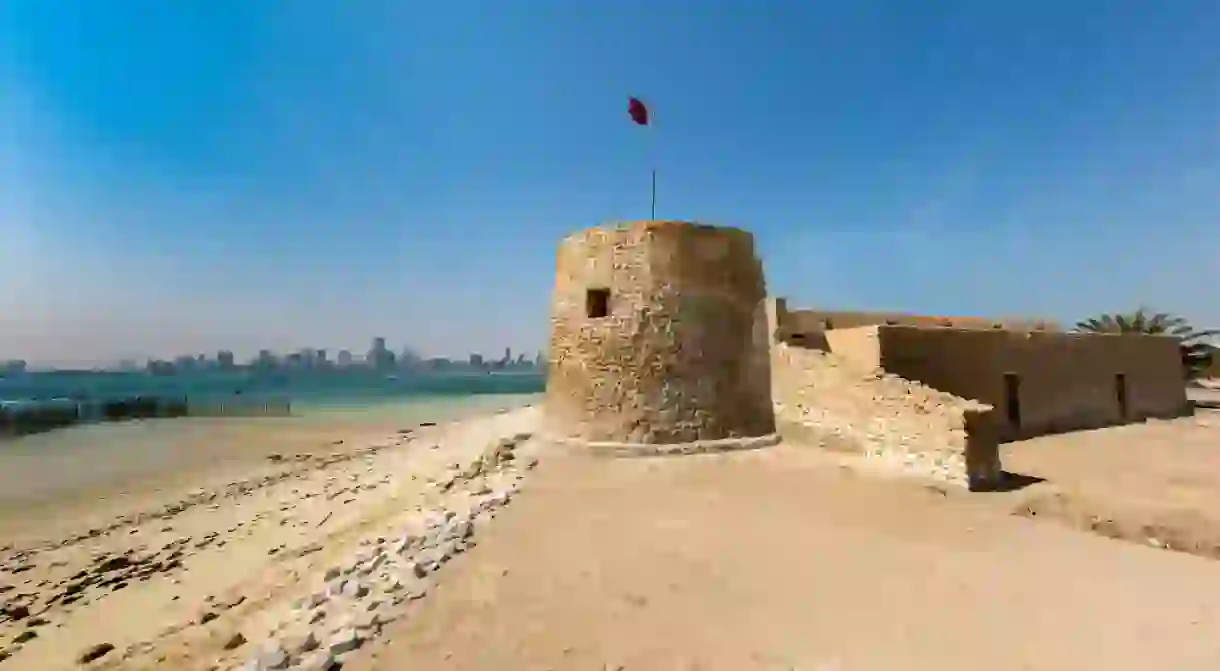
(597, 303)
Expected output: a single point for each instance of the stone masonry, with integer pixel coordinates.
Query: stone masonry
(826, 400)
(659, 341)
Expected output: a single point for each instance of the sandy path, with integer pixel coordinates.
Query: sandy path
(781, 559)
(1154, 483)
(171, 587)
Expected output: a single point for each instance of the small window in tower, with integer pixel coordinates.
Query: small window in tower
(597, 303)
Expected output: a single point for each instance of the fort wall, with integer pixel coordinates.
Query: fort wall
(658, 337)
(1043, 382)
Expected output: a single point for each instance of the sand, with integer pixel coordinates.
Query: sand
(100, 471)
(144, 575)
(786, 559)
(780, 558)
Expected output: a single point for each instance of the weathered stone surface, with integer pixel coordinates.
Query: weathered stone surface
(272, 657)
(827, 400)
(322, 660)
(345, 640)
(237, 640)
(355, 590)
(677, 356)
(301, 641)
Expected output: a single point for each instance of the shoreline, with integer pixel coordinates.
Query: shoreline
(162, 576)
(101, 461)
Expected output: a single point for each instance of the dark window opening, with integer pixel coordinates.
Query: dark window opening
(597, 303)
(1012, 398)
(797, 337)
(1120, 391)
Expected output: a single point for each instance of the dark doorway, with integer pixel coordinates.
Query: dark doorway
(1012, 398)
(597, 303)
(1120, 391)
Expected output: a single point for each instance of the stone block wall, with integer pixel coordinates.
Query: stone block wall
(838, 403)
(674, 352)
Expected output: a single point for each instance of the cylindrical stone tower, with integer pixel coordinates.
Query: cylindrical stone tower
(659, 340)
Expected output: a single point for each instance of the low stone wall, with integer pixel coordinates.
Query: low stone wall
(827, 400)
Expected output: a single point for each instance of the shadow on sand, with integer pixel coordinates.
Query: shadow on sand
(1011, 482)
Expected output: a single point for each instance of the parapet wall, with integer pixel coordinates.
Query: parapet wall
(808, 322)
(842, 404)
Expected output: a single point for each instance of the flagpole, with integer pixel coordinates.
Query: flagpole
(654, 194)
(652, 149)
(642, 116)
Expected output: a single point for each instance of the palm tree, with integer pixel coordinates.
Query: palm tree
(1197, 346)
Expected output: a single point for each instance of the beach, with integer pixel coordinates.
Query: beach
(132, 543)
(472, 543)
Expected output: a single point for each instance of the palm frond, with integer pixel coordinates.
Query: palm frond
(1198, 348)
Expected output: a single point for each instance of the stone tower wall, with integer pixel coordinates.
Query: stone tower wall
(682, 355)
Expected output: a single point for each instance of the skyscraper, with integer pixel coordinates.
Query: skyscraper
(379, 357)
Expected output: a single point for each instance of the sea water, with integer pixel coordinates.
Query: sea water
(48, 464)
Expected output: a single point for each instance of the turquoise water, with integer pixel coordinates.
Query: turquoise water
(339, 389)
(78, 458)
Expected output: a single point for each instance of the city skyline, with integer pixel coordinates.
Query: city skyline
(378, 355)
(187, 177)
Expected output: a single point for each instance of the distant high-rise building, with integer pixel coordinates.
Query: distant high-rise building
(224, 359)
(157, 367)
(266, 359)
(409, 358)
(476, 360)
(379, 357)
(319, 357)
(344, 358)
(305, 357)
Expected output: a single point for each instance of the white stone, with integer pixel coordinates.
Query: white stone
(322, 660)
(271, 657)
(345, 640)
(355, 589)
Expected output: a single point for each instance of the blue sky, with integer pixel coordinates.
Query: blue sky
(180, 177)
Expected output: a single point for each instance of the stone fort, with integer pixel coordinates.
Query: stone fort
(663, 340)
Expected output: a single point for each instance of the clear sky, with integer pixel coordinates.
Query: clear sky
(188, 176)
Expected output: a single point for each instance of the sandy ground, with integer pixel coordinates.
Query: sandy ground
(168, 578)
(1156, 483)
(787, 559)
(779, 558)
(97, 472)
